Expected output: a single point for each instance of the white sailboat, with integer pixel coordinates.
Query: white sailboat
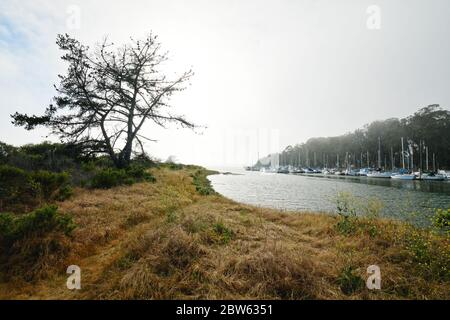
(433, 176)
(379, 174)
(403, 176)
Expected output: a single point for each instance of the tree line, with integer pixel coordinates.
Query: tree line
(426, 145)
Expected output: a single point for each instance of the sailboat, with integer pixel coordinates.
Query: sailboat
(378, 173)
(403, 175)
(433, 176)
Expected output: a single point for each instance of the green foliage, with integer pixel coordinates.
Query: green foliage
(64, 193)
(144, 160)
(171, 216)
(16, 187)
(430, 256)
(110, 177)
(223, 233)
(441, 220)
(346, 226)
(47, 219)
(44, 156)
(140, 173)
(356, 215)
(346, 209)
(22, 189)
(346, 204)
(349, 281)
(50, 182)
(34, 245)
(201, 183)
(431, 124)
(173, 166)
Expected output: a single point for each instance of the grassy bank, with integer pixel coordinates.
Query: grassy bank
(176, 238)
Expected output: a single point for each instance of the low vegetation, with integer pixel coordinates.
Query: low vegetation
(34, 175)
(34, 245)
(176, 238)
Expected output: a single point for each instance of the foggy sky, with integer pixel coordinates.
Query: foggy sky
(267, 73)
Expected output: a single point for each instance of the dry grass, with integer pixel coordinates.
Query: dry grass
(166, 241)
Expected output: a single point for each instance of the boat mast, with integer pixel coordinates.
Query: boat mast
(392, 158)
(420, 155)
(434, 163)
(379, 152)
(403, 155)
(368, 160)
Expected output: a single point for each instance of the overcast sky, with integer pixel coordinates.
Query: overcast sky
(267, 73)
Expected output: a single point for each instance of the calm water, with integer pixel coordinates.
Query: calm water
(410, 200)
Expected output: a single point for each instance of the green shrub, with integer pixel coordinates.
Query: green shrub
(16, 187)
(21, 190)
(144, 160)
(201, 183)
(430, 256)
(110, 177)
(349, 281)
(224, 233)
(346, 209)
(34, 245)
(173, 166)
(50, 182)
(346, 225)
(14, 228)
(64, 193)
(441, 220)
(140, 173)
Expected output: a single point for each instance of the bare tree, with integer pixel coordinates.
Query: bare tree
(107, 96)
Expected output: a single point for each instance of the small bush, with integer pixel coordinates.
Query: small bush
(50, 182)
(21, 190)
(430, 256)
(201, 183)
(109, 177)
(173, 166)
(140, 173)
(64, 193)
(346, 209)
(223, 234)
(34, 244)
(346, 225)
(37, 223)
(441, 221)
(16, 187)
(349, 281)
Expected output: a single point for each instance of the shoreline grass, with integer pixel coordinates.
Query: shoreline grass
(176, 238)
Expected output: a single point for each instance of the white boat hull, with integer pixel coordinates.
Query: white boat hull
(404, 177)
(437, 177)
(379, 175)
